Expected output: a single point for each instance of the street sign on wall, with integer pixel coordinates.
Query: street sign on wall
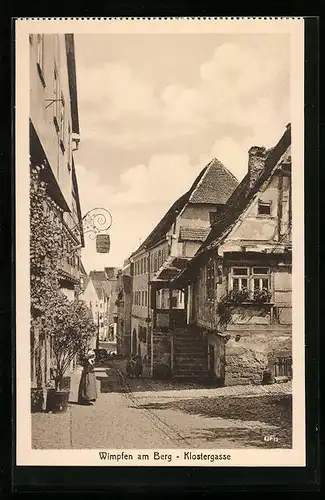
(103, 243)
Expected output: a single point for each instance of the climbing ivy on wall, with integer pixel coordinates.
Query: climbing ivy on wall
(45, 245)
(69, 324)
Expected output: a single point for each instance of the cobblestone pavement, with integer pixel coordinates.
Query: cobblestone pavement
(151, 414)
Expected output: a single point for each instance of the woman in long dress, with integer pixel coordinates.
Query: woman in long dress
(88, 386)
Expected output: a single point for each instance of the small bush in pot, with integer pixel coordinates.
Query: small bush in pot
(70, 327)
(37, 399)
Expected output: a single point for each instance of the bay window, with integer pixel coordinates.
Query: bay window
(252, 279)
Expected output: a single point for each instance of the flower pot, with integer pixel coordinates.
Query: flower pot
(57, 401)
(37, 400)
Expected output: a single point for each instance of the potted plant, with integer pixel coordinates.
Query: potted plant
(262, 296)
(37, 399)
(239, 296)
(70, 327)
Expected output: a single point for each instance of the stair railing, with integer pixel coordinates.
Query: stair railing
(172, 354)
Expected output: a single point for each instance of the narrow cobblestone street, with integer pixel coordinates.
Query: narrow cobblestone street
(151, 414)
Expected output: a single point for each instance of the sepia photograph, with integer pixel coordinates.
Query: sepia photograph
(160, 235)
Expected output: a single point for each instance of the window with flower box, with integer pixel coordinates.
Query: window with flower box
(252, 283)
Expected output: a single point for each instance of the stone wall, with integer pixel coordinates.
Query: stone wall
(247, 358)
(161, 355)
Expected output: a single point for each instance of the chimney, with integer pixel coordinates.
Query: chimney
(256, 161)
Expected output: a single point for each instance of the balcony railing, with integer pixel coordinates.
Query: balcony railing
(170, 318)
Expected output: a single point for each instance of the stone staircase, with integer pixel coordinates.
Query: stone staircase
(190, 359)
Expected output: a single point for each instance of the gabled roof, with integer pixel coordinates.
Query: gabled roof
(240, 200)
(111, 273)
(98, 285)
(243, 195)
(97, 275)
(213, 185)
(102, 285)
(193, 233)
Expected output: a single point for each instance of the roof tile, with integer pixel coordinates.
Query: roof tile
(193, 233)
(243, 195)
(213, 185)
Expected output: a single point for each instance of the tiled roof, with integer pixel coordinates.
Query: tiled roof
(193, 233)
(213, 185)
(107, 287)
(102, 285)
(111, 272)
(242, 197)
(97, 275)
(171, 269)
(99, 289)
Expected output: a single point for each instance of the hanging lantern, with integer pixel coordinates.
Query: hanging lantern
(103, 243)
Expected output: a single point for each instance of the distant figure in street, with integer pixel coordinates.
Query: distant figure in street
(138, 367)
(130, 364)
(87, 387)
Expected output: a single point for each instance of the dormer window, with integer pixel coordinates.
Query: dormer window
(264, 207)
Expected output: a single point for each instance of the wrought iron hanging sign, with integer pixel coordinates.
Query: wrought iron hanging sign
(103, 243)
(94, 223)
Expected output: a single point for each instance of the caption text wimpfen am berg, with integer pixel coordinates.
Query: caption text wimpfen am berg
(167, 457)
